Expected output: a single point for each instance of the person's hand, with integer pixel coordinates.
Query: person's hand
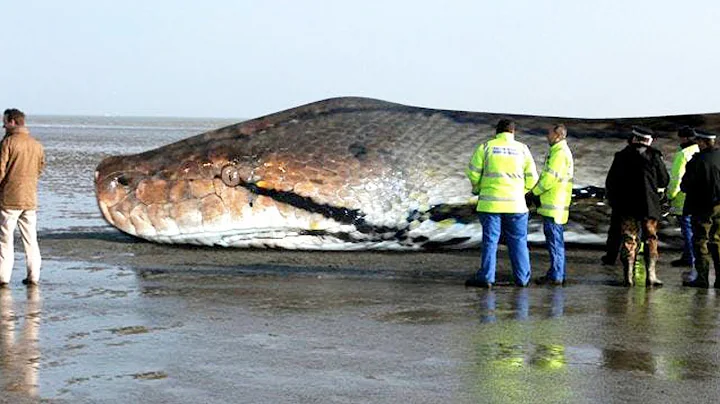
(532, 200)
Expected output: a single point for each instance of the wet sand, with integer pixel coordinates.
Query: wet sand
(120, 320)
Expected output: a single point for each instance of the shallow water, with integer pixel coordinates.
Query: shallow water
(75, 145)
(120, 320)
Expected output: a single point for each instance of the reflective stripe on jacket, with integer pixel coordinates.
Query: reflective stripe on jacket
(501, 172)
(674, 194)
(555, 185)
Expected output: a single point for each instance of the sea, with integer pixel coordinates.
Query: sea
(74, 145)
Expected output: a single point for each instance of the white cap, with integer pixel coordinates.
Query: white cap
(704, 135)
(642, 132)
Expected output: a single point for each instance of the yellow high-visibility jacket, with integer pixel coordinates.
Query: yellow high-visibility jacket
(501, 172)
(674, 194)
(555, 185)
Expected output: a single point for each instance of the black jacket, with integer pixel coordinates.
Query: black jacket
(632, 184)
(701, 182)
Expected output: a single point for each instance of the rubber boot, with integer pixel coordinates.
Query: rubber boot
(629, 272)
(701, 281)
(652, 279)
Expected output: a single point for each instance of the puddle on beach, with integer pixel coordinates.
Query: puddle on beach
(96, 332)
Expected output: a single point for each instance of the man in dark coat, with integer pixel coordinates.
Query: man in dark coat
(701, 183)
(614, 236)
(634, 185)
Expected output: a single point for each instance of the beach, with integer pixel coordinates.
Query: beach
(119, 319)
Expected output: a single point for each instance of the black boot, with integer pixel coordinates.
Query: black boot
(544, 280)
(629, 272)
(697, 283)
(606, 260)
(681, 262)
(701, 281)
(476, 283)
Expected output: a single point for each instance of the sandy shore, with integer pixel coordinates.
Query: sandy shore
(121, 320)
(583, 263)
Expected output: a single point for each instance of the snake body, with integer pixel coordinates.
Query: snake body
(339, 174)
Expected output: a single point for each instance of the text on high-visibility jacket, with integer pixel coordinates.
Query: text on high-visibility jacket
(501, 171)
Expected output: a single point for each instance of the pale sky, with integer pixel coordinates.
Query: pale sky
(223, 58)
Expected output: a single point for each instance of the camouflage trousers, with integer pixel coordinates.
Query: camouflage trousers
(635, 231)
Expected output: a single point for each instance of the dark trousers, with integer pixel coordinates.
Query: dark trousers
(706, 242)
(614, 239)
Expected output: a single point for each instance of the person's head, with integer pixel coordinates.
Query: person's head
(505, 125)
(13, 118)
(642, 136)
(557, 133)
(686, 134)
(705, 140)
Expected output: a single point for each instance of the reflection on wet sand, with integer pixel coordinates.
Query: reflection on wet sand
(523, 338)
(651, 318)
(524, 343)
(553, 305)
(19, 354)
(636, 309)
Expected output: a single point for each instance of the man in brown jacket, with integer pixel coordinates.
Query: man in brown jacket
(22, 159)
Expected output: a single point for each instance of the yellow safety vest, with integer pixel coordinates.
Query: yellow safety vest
(674, 193)
(555, 185)
(501, 172)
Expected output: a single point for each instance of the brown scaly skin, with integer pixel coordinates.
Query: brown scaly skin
(363, 172)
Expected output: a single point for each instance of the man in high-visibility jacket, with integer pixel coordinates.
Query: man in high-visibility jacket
(555, 192)
(688, 147)
(501, 172)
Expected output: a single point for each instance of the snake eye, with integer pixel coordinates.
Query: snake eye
(123, 180)
(230, 175)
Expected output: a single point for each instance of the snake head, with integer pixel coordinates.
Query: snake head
(192, 191)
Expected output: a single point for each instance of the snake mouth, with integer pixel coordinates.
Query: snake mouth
(232, 177)
(233, 201)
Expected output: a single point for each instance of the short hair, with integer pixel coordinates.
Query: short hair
(560, 129)
(686, 132)
(14, 114)
(505, 125)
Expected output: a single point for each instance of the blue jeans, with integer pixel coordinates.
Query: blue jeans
(687, 233)
(555, 242)
(514, 227)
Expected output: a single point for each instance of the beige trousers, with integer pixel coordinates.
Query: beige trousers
(26, 220)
